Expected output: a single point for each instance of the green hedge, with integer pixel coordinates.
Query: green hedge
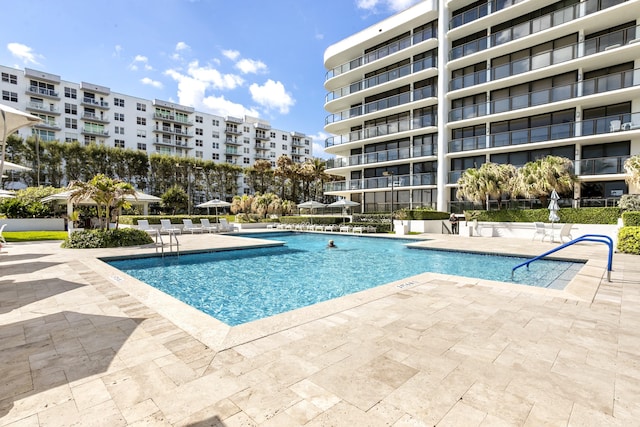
(629, 240)
(92, 239)
(567, 215)
(631, 219)
(320, 220)
(425, 215)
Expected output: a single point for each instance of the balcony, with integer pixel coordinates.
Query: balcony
(174, 131)
(172, 118)
(603, 166)
(95, 118)
(232, 130)
(42, 108)
(231, 141)
(382, 156)
(593, 86)
(91, 102)
(232, 152)
(383, 182)
(261, 156)
(95, 132)
(262, 136)
(297, 143)
(379, 79)
(470, 15)
(550, 57)
(382, 52)
(171, 142)
(48, 93)
(383, 130)
(48, 124)
(260, 146)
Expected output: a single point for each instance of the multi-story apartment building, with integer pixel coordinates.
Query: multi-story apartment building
(446, 85)
(89, 113)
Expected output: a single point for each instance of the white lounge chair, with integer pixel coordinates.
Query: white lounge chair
(168, 228)
(331, 227)
(143, 225)
(358, 229)
(539, 231)
(565, 233)
(345, 229)
(190, 227)
(225, 226)
(207, 226)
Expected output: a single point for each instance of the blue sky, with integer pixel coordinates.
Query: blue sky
(262, 58)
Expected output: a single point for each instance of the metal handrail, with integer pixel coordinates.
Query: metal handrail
(586, 237)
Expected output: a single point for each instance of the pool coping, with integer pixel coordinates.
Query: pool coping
(220, 336)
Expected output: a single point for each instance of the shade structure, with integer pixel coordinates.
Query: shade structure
(344, 203)
(10, 121)
(215, 203)
(139, 197)
(8, 166)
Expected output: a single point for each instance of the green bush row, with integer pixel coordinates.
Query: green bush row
(631, 219)
(629, 240)
(92, 239)
(567, 215)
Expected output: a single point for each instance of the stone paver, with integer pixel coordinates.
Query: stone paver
(83, 344)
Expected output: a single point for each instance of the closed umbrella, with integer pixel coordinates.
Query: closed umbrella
(553, 209)
(215, 203)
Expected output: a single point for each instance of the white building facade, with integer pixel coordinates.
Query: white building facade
(443, 86)
(91, 113)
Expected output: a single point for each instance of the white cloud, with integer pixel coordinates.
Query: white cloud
(272, 95)
(223, 107)
(117, 50)
(182, 46)
(318, 145)
(140, 60)
(231, 54)
(391, 5)
(149, 82)
(24, 53)
(213, 78)
(251, 66)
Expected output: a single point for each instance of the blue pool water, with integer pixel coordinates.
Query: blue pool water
(239, 286)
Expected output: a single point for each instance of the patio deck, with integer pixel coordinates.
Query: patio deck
(83, 344)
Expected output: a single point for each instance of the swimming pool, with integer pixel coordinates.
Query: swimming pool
(240, 286)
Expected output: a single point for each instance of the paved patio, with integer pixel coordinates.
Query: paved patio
(83, 344)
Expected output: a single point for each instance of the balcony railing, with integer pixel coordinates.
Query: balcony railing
(470, 15)
(232, 152)
(96, 118)
(174, 142)
(409, 180)
(600, 84)
(384, 51)
(379, 79)
(48, 124)
(603, 165)
(92, 102)
(39, 106)
(43, 91)
(383, 156)
(468, 143)
(382, 130)
(232, 130)
(231, 141)
(98, 132)
(175, 131)
(172, 118)
(382, 104)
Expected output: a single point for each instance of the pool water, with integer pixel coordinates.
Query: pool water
(240, 286)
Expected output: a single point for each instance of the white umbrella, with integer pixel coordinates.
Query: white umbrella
(12, 120)
(344, 204)
(553, 209)
(311, 204)
(215, 203)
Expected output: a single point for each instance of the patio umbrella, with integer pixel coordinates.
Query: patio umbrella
(215, 203)
(12, 120)
(8, 166)
(344, 204)
(311, 205)
(553, 209)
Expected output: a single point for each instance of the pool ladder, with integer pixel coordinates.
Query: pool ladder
(601, 238)
(159, 243)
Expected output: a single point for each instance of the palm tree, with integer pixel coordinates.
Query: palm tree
(106, 192)
(490, 180)
(538, 178)
(632, 168)
(315, 170)
(260, 176)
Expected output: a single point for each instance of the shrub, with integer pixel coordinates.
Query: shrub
(631, 219)
(91, 239)
(629, 202)
(629, 240)
(567, 215)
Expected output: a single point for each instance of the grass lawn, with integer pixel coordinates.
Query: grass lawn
(31, 236)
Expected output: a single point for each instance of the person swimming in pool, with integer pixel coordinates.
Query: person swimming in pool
(331, 244)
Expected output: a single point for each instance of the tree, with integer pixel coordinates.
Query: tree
(107, 193)
(632, 168)
(539, 178)
(175, 198)
(490, 180)
(260, 176)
